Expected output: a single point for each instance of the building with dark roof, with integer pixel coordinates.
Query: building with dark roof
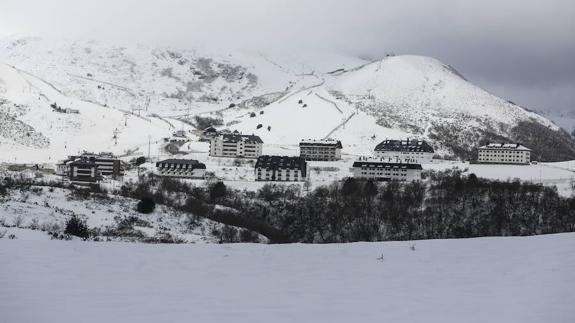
(503, 153)
(106, 165)
(236, 145)
(183, 168)
(280, 168)
(412, 149)
(321, 150)
(384, 170)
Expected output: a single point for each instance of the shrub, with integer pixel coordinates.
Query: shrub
(218, 190)
(204, 122)
(146, 205)
(76, 227)
(140, 160)
(349, 186)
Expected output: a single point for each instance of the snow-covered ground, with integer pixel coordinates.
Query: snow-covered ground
(519, 279)
(32, 214)
(280, 97)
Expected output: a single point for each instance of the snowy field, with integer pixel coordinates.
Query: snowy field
(520, 279)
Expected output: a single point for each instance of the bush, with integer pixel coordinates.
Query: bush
(76, 227)
(204, 122)
(350, 186)
(140, 160)
(146, 205)
(218, 190)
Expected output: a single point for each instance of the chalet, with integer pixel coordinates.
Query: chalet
(102, 164)
(322, 150)
(280, 168)
(385, 170)
(235, 145)
(503, 153)
(413, 149)
(183, 168)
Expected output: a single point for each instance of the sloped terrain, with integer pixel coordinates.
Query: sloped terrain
(285, 99)
(39, 123)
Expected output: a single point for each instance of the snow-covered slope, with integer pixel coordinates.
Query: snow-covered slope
(32, 131)
(518, 279)
(286, 98)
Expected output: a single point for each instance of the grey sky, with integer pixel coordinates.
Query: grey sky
(520, 50)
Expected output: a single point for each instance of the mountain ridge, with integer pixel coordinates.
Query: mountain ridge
(286, 99)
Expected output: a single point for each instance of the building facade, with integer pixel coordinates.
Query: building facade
(415, 150)
(281, 168)
(236, 145)
(382, 170)
(102, 164)
(182, 168)
(501, 153)
(84, 171)
(321, 150)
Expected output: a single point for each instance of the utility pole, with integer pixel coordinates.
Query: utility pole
(149, 144)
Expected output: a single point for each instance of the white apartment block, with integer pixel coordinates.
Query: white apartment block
(500, 153)
(382, 170)
(281, 168)
(320, 150)
(236, 145)
(182, 168)
(414, 150)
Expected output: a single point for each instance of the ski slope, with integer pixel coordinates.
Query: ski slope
(358, 102)
(93, 128)
(519, 279)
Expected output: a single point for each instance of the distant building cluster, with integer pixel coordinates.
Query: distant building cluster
(392, 160)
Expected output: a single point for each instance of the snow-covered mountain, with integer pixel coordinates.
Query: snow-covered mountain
(283, 98)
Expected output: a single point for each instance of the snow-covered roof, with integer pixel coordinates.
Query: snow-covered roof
(504, 146)
(181, 162)
(416, 145)
(281, 162)
(320, 142)
(236, 137)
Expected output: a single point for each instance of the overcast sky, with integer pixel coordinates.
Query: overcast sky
(521, 50)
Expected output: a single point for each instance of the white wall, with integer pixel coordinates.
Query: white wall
(504, 156)
(416, 157)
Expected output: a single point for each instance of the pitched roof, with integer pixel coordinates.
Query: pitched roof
(412, 145)
(321, 142)
(504, 146)
(281, 162)
(194, 163)
(236, 137)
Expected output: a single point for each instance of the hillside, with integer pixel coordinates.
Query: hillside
(520, 279)
(282, 98)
